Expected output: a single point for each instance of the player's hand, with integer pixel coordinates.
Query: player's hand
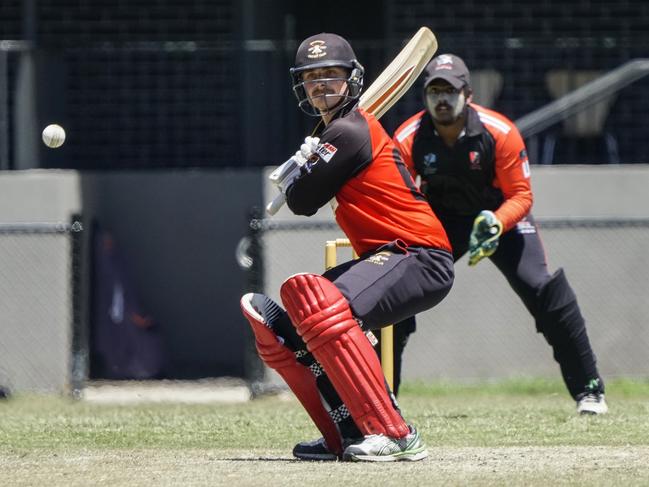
(308, 148)
(284, 175)
(484, 236)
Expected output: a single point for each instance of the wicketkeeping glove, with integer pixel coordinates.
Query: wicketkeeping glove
(484, 236)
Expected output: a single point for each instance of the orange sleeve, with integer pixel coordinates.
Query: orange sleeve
(404, 137)
(513, 178)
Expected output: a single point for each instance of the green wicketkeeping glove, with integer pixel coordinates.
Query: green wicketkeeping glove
(484, 236)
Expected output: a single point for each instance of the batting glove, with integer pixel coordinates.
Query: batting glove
(308, 148)
(484, 236)
(284, 175)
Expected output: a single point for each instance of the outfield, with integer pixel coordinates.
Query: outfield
(517, 433)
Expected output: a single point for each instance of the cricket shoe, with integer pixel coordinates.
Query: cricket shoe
(316, 450)
(592, 403)
(381, 448)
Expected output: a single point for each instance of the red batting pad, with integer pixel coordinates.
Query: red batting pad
(298, 377)
(323, 318)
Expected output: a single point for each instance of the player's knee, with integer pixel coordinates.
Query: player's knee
(317, 308)
(556, 305)
(556, 292)
(260, 310)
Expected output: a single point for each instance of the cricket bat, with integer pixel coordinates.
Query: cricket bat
(387, 89)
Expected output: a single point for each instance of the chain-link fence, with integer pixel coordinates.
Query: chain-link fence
(40, 305)
(482, 330)
(205, 83)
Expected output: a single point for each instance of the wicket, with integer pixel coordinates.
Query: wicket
(387, 339)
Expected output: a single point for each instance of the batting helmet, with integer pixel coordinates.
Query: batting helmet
(322, 51)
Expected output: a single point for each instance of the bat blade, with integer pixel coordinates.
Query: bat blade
(400, 74)
(391, 85)
(378, 105)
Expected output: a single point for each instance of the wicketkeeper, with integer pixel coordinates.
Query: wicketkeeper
(475, 174)
(318, 342)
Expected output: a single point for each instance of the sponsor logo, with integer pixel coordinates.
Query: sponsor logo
(430, 164)
(474, 160)
(372, 338)
(318, 49)
(326, 151)
(379, 259)
(524, 227)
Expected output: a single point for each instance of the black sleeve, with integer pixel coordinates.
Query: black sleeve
(345, 149)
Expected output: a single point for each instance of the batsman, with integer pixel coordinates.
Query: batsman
(318, 340)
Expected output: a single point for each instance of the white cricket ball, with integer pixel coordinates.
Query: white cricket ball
(53, 136)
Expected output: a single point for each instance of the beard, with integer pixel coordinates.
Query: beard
(448, 109)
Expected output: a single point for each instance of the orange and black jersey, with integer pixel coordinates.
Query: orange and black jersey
(486, 169)
(377, 201)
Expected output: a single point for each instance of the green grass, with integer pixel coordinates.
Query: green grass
(523, 431)
(522, 386)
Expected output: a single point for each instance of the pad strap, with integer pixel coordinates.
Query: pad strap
(324, 320)
(297, 376)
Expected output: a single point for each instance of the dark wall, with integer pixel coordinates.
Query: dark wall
(271, 122)
(177, 233)
(274, 19)
(203, 84)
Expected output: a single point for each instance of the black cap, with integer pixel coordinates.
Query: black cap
(450, 68)
(324, 50)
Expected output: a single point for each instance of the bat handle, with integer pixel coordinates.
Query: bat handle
(274, 206)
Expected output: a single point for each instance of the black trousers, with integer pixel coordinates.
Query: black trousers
(393, 283)
(521, 259)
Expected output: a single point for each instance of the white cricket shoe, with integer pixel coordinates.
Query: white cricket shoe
(592, 403)
(381, 448)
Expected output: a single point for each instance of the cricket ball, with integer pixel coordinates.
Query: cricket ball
(53, 136)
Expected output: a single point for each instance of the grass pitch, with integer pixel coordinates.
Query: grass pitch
(514, 433)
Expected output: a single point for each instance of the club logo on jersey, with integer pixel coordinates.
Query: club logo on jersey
(525, 162)
(326, 151)
(430, 164)
(474, 160)
(318, 49)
